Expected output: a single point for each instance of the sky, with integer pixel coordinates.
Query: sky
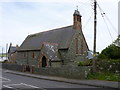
(19, 18)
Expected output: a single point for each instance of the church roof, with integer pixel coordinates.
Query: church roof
(12, 49)
(51, 49)
(77, 13)
(60, 36)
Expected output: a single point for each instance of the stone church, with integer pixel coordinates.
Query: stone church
(54, 48)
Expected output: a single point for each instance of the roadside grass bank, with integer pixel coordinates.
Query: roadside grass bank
(104, 76)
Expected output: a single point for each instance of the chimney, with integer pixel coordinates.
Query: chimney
(17, 46)
(77, 20)
(10, 44)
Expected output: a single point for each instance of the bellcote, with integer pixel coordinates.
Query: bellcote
(77, 20)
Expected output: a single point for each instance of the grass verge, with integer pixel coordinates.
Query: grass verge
(105, 76)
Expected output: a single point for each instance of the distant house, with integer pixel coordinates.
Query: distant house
(12, 53)
(61, 46)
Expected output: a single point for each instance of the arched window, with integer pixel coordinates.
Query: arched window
(33, 55)
(76, 45)
(81, 46)
(78, 18)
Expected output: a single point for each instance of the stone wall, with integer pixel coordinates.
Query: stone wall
(14, 67)
(112, 66)
(12, 57)
(70, 56)
(24, 58)
(64, 71)
(56, 64)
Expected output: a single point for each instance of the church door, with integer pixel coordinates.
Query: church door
(44, 61)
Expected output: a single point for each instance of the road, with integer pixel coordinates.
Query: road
(13, 81)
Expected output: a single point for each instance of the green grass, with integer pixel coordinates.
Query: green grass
(4, 55)
(105, 76)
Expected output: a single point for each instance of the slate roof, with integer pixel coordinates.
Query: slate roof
(51, 49)
(60, 36)
(12, 49)
(76, 13)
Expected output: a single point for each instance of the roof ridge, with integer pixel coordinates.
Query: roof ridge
(51, 30)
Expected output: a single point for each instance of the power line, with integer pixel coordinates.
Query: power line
(88, 21)
(83, 4)
(108, 29)
(103, 14)
(111, 23)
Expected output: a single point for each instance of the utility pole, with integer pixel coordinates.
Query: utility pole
(2, 53)
(95, 28)
(6, 51)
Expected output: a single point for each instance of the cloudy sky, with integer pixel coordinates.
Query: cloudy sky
(19, 18)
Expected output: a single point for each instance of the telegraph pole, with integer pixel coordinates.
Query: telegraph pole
(2, 53)
(6, 51)
(95, 28)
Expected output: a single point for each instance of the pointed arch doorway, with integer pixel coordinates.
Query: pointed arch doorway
(44, 61)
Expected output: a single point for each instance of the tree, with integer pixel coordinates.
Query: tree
(112, 51)
(117, 41)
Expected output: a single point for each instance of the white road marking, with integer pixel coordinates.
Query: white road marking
(13, 84)
(10, 85)
(7, 80)
(29, 85)
(7, 86)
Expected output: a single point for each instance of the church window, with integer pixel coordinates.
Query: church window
(33, 55)
(81, 46)
(76, 43)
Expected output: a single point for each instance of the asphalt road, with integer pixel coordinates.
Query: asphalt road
(19, 82)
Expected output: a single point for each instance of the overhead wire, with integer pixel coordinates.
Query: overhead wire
(111, 23)
(83, 4)
(86, 4)
(88, 21)
(103, 14)
(108, 29)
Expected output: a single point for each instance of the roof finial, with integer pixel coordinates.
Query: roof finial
(77, 7)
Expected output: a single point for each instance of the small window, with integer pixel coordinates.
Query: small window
(78, 18)
(33, 55)
(76, 42)
(81, 46)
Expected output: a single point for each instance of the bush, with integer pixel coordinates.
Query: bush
(85, 63)
(81, 63)
(110, 52)
(108, 65)
(5, 61)
(104, 76)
